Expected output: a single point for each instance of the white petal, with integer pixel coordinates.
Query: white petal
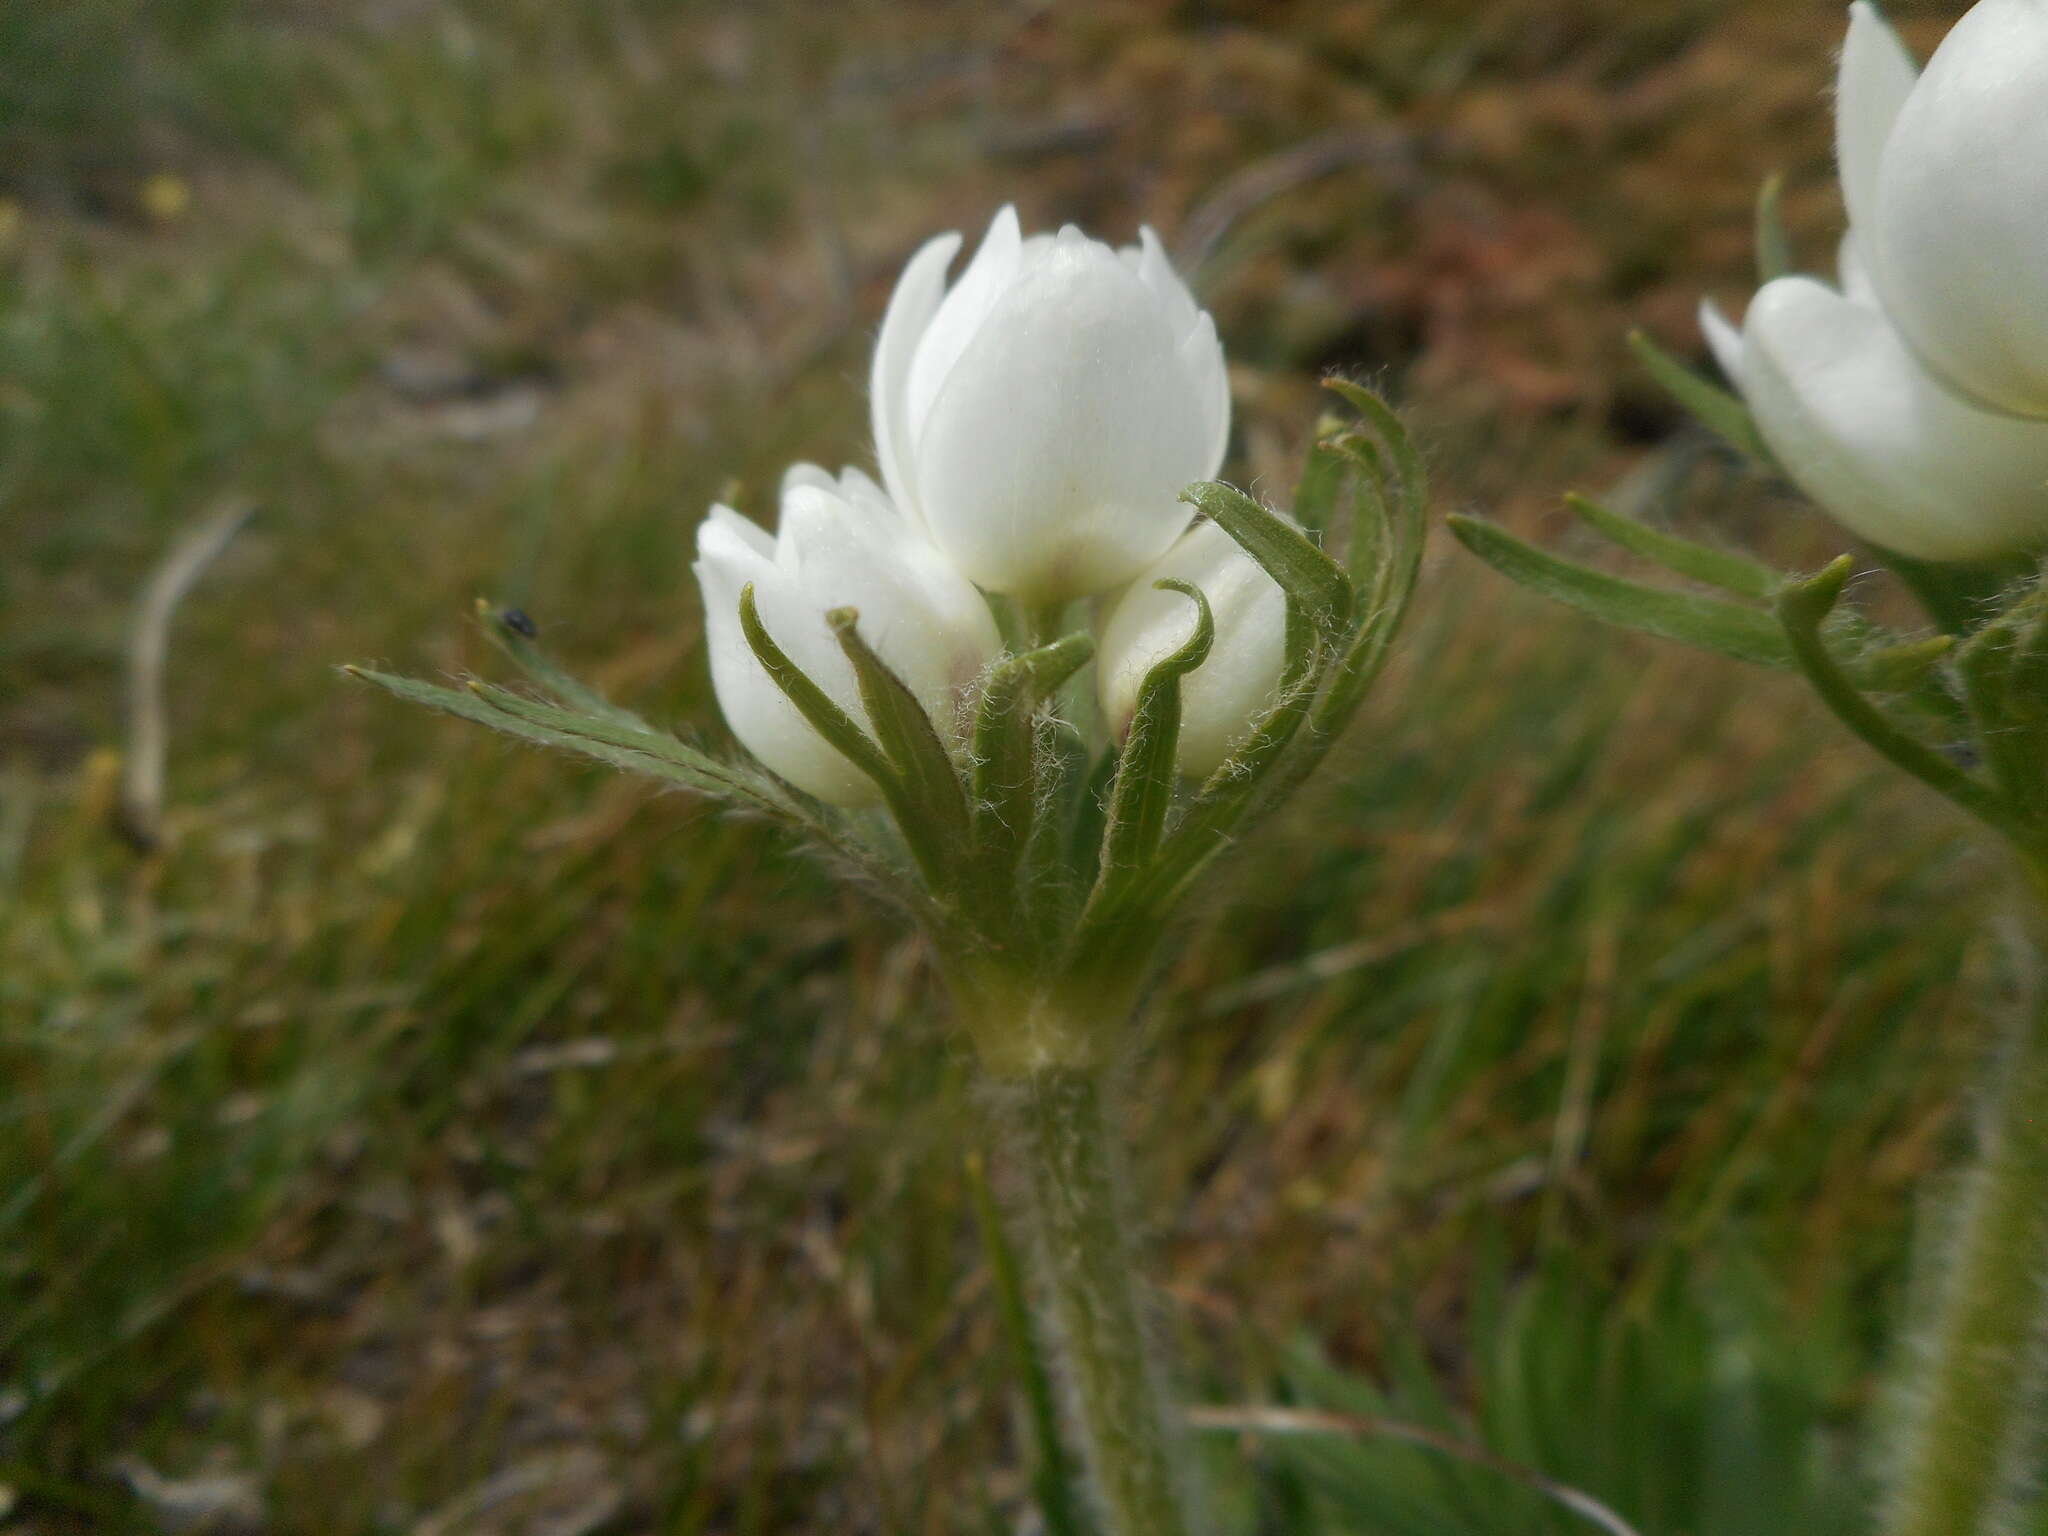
(1878, 443)
(839, 544)
(960, 316)
(1157, 272)
(1960, 243)
(1852, 272)
(750, 533)
(1871, 88)
(1052, 463)
(911, 307)
(1723, 340)
(857, 483)
(1201, 355)
(806, 474)
(1237, 683)
(757, 711)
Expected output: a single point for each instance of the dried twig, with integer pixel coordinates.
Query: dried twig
(1257, 1420)
(140, 816)
(1389, 151)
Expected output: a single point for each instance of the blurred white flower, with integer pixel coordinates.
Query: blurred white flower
(1237, 682)
(839, 544)
(1865, 431)
(1042, 415)
(1946, 180)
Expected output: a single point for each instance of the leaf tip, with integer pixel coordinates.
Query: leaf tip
(1465, 528)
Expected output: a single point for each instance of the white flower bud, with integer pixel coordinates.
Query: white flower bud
(1947, 181)
(839, 544)
(1865, 431)
(1240, 678)
(1042, 416)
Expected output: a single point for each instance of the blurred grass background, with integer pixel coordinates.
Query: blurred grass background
(433, 1137)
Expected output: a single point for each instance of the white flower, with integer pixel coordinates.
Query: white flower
(839, 544)
(1239, 679)
(1042, 416)
(1865, 431)
(1946, 179)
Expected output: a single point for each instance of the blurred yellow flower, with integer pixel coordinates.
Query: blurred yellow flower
(166, 198)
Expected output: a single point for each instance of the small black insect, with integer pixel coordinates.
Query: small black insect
(516, 620)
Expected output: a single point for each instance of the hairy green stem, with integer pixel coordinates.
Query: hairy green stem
(1120, 1413)
(1979, 1385)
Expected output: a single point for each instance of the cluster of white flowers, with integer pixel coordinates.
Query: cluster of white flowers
(1912, 400)
(1035, 424)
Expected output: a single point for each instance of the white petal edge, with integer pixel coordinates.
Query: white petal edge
(1724, 340)
(1877, 75)
(1871, 436)
(1852, 273)
(910, 311)
(960, 314)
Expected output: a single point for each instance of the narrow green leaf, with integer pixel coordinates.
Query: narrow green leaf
(1005, 790)
(1388, 564)
(811, 701)
(1286, 554)
(1323, 687)
(683, 769)
(1802, 608)
(1712, 625)
(1253, 777)
(1054, 1481)
(1388, 580)
(1321, 486)
(1774, 257)
(1408, 476)
(468, 704)
(932, 821)
(1715, 408)
(1697, 562)
(930, 781)
(512, 633)
(604, 730)
(1146, 771)
(666, 761)
(1090, 818)
(1376, 503)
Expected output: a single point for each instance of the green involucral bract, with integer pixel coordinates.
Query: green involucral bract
(1047, 847)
